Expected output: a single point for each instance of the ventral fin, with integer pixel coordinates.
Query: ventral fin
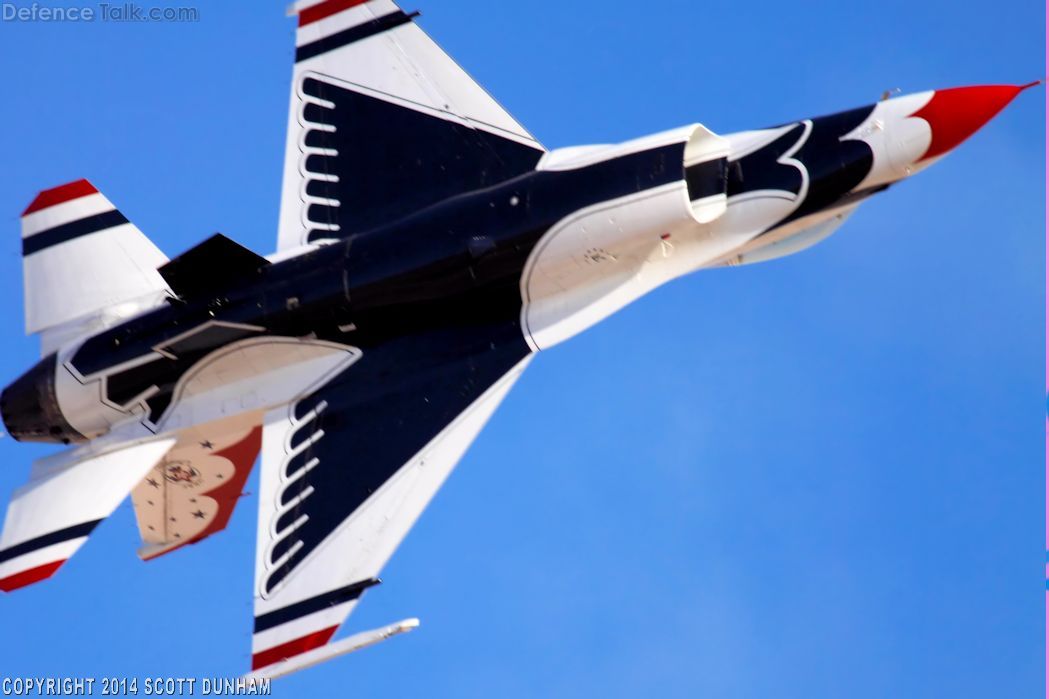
(215, 264)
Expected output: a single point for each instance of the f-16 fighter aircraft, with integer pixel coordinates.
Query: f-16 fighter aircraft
(428, 247)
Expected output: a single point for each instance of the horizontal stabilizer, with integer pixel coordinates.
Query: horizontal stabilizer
(84, 264)
(52, 515)
(215, 264)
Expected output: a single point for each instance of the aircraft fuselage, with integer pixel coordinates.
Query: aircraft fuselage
(507, 269)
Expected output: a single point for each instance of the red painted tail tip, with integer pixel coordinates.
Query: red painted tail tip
(957, 113)
(60, 195)
(28, 577)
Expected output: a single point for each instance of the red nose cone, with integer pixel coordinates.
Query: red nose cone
(957, 113)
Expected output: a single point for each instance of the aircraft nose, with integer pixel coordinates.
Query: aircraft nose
(957, 113)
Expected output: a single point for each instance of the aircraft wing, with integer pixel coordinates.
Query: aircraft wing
(382, 123)
(346, 471)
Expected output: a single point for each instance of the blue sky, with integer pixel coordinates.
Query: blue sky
(816, 477)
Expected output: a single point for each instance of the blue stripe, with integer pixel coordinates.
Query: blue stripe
(75, 532)
(313, 604)
(69, 231)
(353, 34)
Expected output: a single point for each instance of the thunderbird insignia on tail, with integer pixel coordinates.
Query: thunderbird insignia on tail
(427, 247)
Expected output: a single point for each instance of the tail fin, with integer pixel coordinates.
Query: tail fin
(83, 262)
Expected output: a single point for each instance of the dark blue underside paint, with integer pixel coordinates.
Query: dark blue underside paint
(393, 161)
(377, 419)
(835, 166)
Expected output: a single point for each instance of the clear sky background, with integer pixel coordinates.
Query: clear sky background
(817, 477)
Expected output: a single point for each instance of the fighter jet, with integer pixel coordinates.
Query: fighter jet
(428, 246)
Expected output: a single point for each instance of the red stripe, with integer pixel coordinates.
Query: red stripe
(296, 647)
(326, 9)
(60, 194)
(28, 577)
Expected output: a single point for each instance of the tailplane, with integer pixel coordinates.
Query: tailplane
(67, 495)
(84, 264)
